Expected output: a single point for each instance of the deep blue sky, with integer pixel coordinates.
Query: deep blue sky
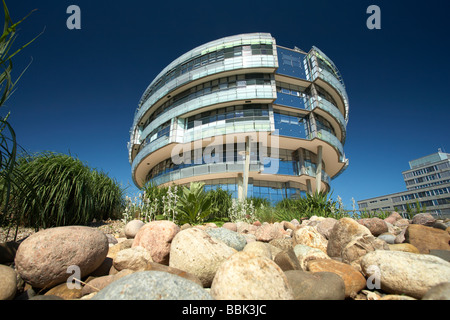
(81, 90)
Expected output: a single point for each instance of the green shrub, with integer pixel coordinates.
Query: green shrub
(194, 204)
(64, 192)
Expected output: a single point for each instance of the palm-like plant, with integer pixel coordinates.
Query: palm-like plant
(194, 205)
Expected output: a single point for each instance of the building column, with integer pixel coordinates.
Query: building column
(309, 187)
(319, 169)
(246, 166)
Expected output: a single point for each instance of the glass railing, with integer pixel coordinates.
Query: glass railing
(239, 93)
(290, 100)
(331, 109)
(225, 65)
(331, 139)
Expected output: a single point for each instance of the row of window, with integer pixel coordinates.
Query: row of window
(206, 59)
(429, 184)
(208, 87)
(250, 112)
(426, 170)
(422, 194)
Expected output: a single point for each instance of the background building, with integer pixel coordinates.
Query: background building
(428, 185)
(246, 115)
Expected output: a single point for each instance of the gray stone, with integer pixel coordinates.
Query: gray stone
(316, 286)
(387, 237)
(438, 292)
(443, 254)
(342, 233)
(230, 238)
(152, 285)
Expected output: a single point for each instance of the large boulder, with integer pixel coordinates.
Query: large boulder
(157, 237)
(44, 258)
(405, 272)
(344, 231)
(247, 276)
(427, 238)
(152, 285)
(196, 252)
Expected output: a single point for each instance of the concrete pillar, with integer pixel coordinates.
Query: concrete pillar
(246, 166)
(319, 169)
(309, 187)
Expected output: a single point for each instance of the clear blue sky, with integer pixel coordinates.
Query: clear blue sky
(80, 93)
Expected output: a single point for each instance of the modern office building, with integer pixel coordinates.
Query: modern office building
(428, 185)
(246, 115)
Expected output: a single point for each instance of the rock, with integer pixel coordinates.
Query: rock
(196, 252)
(342, 233)
(157, 237)
(244, 227)
(440, 225)
(309, 236)
(316, 286)
(396, 297)
(268, 232)
(295, 222)
(135, 258)
(103, 269)
(353, 279)
(259, 248)
(360, 246)
(132, 228)
(230, 238)
(387, 237)
(283, 244)
(443, 254)
(8, 251)
(287, 260)
(153, 266)
(65, 292)
(43, 259)
(305, 254)
(152, 285)
(394, 216)
(404, 272)
(247, 276)
(325, 226)
(402, 223)
(230, 226)
(8, 283)
(113, 250)
(425, 219)
(375, 225)
(426, 238)
(438, 292)
(405, 247)
(288, 225)
(400, 238)
(111, 239)
(97, 284)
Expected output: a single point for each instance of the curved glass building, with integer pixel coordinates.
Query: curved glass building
(246, 115)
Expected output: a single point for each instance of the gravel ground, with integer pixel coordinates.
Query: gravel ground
(114, 227)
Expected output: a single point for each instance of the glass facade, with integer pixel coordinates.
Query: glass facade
(237, 87)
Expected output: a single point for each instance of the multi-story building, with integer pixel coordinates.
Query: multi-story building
(246, 115)
(428, 187)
